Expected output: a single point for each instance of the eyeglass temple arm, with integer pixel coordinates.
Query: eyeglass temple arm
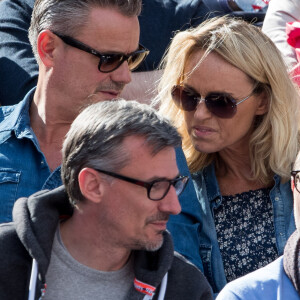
(77, 44)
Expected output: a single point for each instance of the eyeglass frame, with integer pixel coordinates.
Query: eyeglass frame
(234, 104)
(201, 99)
(294, 174)
(148, 185)
(103, 57)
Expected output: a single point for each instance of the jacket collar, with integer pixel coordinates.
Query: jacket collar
(150, 268)
(16, 118)
(291, 260)
(212, 186)
(36, 220)
(211, 183)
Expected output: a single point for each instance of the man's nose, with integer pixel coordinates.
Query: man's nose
(170, 203)
(122, 74)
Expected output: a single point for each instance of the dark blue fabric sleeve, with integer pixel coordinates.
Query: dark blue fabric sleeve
(18, 67)
(160, 19)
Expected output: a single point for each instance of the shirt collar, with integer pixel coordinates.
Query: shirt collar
(211, 182)
(16, 118)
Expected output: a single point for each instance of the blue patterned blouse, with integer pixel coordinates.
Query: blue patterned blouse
(245, 231)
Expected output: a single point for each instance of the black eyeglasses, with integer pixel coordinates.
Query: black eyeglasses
(220, 104)
(108, 62)
(156, 189)
(296, 177)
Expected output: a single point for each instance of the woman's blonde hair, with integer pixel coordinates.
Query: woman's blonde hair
(274, 142)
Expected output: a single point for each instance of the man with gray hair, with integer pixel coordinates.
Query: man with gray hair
(103, 234)
(85, 50)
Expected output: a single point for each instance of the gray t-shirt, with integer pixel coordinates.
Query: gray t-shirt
(66, 278)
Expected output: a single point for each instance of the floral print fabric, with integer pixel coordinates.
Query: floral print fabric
(245, 232)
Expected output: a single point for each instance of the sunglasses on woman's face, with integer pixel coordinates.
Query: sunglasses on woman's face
(221, 105)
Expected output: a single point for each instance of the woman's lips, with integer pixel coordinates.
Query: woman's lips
(202, 131)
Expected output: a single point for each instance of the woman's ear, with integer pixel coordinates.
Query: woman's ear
(91, 184)
(263, 105)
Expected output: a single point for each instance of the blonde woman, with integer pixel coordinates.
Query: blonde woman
(226, 88)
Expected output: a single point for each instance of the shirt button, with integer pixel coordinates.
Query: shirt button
(42, 163)
(276, 198)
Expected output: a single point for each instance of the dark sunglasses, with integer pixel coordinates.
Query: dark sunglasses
(108, 62)
(220, 104)
(156, 189)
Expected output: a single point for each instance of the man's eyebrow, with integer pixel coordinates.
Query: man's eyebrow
(155, 178)
(117, 52)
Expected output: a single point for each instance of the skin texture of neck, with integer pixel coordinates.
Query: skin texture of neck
(234, 163)
(89, 245)
(50, 124)
(234, 171)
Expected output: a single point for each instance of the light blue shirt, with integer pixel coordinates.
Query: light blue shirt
(23, 166)
(267, 283)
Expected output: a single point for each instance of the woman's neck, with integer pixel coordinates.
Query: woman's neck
(234, 172)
